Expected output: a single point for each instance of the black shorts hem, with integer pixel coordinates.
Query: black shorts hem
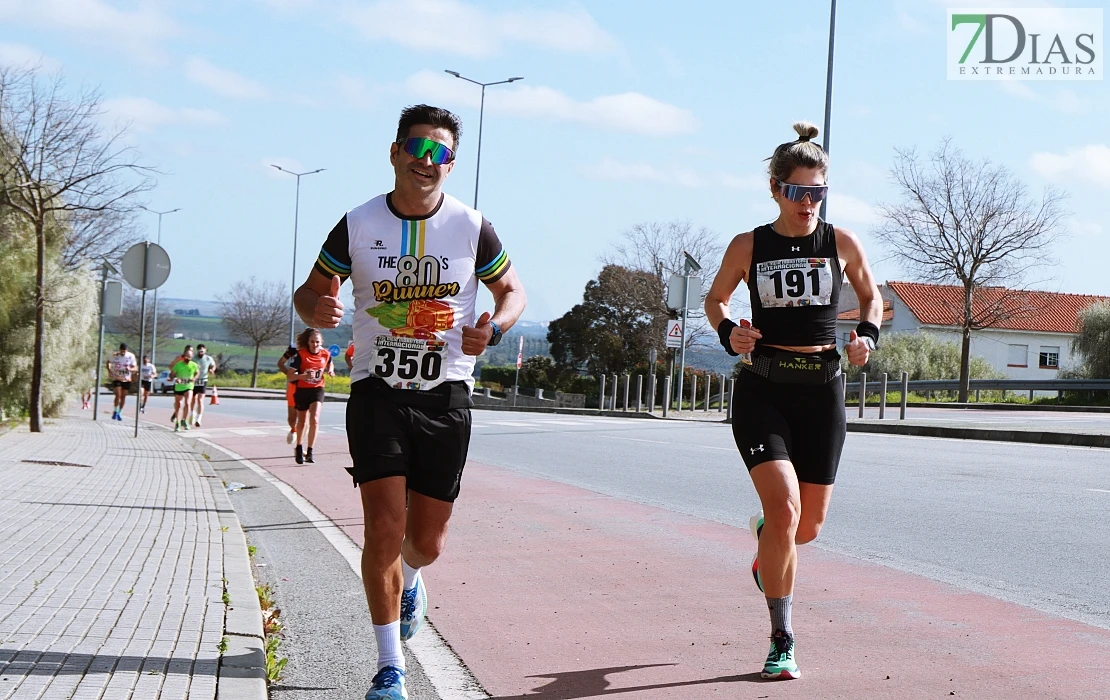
(198, 389)
(145, 384)
(117, 384)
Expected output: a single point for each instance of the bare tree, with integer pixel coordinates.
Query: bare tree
(969, 223)
(657, 248)
(257, 312)
(71, 181)
(129, 321)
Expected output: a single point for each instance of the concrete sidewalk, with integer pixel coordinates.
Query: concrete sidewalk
(115, 557)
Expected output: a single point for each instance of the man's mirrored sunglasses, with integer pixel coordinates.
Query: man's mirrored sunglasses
(418, 147)
(796, 193)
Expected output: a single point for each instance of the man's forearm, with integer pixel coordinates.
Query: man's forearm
(304, 300)
(872, 311)
(508, 307)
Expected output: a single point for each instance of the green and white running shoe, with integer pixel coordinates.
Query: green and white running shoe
(176, 426)
(755, 524)
(414, 606)
(780, 664)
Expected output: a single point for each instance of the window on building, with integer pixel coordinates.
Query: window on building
(1018, 356)
(1049, 357)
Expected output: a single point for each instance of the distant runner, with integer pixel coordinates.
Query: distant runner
(147, 373)
(207, 365)
(309, 365)
(121, 365)
(290, 392)
(183, 373)
(349, 356)
(415, 257)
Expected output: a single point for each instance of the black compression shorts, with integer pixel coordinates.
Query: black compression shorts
(198, 389)
(803, 424)
(303, 397)
(145, 383)
(117, 384)
(426, 445)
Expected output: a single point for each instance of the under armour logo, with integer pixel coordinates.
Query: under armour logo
(795, 249)
(757, 449)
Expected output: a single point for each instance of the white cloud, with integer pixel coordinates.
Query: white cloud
(455, 27)
(1088, 165)
(146, 114)
(610, 169)
(630, 111)
(354, 92)
(911, 25)
(141, 32)
(1084, 228)
(224, 82)
(846, 209)
(25, 56)
(1064, 100)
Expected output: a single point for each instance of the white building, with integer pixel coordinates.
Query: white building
(1029, 333)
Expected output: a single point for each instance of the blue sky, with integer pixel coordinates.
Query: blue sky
(629, 112)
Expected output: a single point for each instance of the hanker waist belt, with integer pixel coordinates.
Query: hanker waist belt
(784, 367)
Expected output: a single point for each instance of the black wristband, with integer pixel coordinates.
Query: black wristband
(724, 331)
(866, 329)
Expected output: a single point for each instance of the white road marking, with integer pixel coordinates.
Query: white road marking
(1100, 490)
(246, 432)
(445, 670)
(673, 444)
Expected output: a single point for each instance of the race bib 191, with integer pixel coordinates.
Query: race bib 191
(794, 282)
(409, 363)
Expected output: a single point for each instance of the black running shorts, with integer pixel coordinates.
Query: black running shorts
(117, 384)
(426, 445)
(803, 424)
(303, 397)
(145, 383)
(198, 389)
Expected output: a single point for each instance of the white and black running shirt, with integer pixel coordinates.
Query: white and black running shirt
(415, 286)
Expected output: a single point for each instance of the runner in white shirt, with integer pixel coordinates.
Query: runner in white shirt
(207, 366)
(415, 257)
(121, 365)
(147, 373)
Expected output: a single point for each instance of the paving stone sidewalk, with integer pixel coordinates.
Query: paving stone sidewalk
(113, 558)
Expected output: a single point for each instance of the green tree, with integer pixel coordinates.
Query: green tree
(621, 318)
(923, 356)
(1092, 345)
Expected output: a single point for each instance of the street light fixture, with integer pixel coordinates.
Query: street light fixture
(154, 331)
(296, 217)
(481, 112)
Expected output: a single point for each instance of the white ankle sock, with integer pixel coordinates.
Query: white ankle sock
(388, 638)
(410, 574)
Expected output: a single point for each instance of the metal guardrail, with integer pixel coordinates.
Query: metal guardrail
(1016, 385)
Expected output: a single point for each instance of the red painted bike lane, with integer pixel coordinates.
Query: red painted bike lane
(551, 591)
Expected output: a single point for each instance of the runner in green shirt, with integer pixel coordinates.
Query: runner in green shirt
(184, 372)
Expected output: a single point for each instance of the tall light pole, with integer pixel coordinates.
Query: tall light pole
(296, 217)
(828, 92)
(154, 331)
(481, 112)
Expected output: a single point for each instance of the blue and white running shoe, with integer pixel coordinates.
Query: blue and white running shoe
(414, 606)
(388, 684)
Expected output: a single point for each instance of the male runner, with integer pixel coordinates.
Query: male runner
(207, 365)
(415, 257)
(147, 373)
(183, 372)
(349, 356)
(290, 392)
(121, 365)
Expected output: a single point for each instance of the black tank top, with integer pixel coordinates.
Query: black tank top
(795, 286)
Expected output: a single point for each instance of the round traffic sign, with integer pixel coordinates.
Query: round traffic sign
(145, 266)
(334, 350)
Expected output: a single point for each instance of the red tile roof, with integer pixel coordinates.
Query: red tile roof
(996, 307)
(853, 314)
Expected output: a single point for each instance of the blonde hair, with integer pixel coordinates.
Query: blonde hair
(800, 153)
(303, 336)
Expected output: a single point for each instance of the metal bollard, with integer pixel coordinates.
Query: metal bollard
(721, 395)
(905, 395)
(976, 396)
(627, 379)
(731, 397)
(1030, 396)
(666, 395)
(693, 392)
(639, 393)
(651, 393)
(708, 389)
(862, 392)
(882, 400)
(613, 398)
(601, 393)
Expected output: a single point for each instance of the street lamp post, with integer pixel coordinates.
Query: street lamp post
(828, 91)
(296, 218)
(154, 331)
(481, 113)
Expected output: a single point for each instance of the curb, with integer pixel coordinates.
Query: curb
(242, 671)
(990, 434)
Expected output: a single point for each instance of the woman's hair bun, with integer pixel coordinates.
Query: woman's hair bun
(806, 131)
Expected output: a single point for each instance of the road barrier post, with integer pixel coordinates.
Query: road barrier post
(731, 397)
(666, 395)
(721, 395)
(882, 399)
(613, 398)
(601, 393)
(693, 392)
(627, 379)
(862, 392)
(639, 392)
(708, 389)
(652, 381)
(905, 394)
